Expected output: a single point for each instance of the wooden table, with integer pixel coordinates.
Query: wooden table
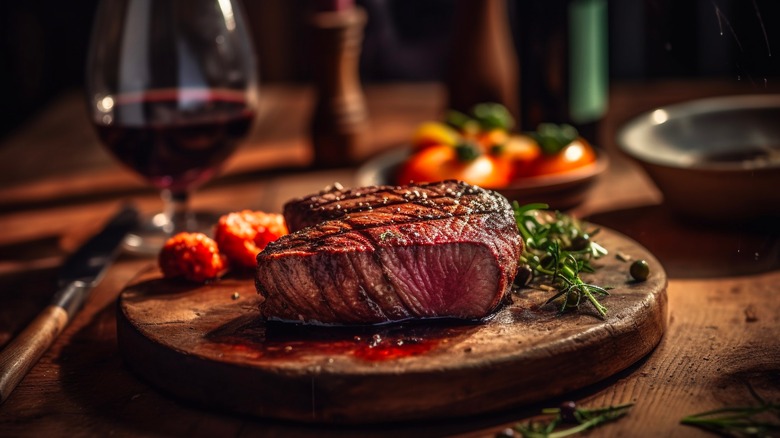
(57, 184)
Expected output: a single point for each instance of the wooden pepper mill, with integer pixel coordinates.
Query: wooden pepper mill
(339, 124)
(483, 65)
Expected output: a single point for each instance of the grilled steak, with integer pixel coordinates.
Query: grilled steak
(389, 253)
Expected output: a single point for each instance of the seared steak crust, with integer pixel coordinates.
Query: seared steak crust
(389, 253)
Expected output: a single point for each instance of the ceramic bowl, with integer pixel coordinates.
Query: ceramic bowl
(560, 191)
(716, 159)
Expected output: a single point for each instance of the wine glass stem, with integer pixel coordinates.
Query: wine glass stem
(176, 211)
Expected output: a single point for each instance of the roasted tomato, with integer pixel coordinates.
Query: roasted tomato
(493, 140)
(242, 235)
(465, 162)
(520, 151)
(574, 155)
(193, 256)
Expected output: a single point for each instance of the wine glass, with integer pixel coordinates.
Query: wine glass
(171, 89)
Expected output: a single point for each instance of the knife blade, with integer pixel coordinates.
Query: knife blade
(80, 272)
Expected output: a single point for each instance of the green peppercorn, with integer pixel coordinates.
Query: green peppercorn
(640, 270)
(547, 261)
(523, 276)
(579, 243)
(569, 412)
(572, 299)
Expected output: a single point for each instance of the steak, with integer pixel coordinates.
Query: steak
(390, 253)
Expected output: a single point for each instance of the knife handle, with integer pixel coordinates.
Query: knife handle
(23, 352)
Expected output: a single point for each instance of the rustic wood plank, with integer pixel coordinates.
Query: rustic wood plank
(706, 361)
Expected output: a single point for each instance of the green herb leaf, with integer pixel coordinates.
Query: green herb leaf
(457, 119)
(583, 418)
(467, 152)
(748, 421)
(493, 116)
(552, 138)
(557, 249)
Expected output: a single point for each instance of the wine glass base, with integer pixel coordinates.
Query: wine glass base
(152, 233)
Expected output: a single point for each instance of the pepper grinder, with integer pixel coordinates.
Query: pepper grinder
(339, 123)
(483, 65)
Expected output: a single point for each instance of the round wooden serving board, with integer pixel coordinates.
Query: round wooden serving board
(207, 344)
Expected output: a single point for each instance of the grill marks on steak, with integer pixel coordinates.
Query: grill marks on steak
(334, 202)
(391, 253)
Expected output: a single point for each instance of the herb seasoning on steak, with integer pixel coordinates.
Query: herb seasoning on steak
(390, 253)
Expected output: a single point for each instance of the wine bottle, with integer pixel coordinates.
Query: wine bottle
(562, 48)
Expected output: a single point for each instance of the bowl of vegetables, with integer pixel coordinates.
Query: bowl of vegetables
(552, 165)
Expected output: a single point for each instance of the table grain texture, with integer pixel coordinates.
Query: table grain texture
(57, 185)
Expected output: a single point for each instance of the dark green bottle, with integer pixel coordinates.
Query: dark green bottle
(562, 51)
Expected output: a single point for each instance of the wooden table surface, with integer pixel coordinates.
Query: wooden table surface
(57, 185)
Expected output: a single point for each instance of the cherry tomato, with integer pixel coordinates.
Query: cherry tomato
(495, 138)
(520, 151)
(193, 256)
(241, 235)
(576, 154)
(437, 163)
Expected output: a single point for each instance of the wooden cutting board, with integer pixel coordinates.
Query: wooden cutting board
(206, 344)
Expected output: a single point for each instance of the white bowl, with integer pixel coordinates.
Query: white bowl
(716, 159)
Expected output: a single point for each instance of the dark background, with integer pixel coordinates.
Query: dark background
(43, 43)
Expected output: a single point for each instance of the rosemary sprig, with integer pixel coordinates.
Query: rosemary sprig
(744, 421)
(557, 250)
(583, 419)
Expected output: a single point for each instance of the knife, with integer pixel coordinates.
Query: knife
(79, 274)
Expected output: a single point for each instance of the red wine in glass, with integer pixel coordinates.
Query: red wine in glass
(176, 139)
(171, 88)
